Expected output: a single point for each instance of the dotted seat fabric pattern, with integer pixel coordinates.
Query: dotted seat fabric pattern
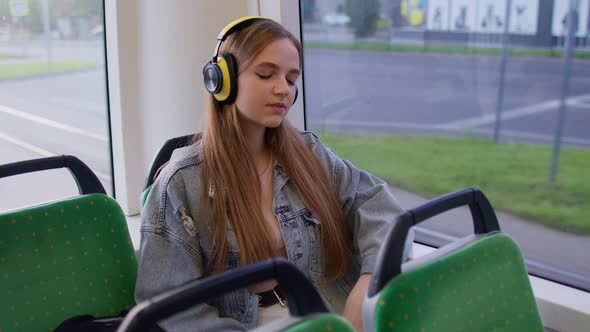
(322, 323)
(481, 287)
(63, 259)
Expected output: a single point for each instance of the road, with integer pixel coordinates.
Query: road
(54, 115)
(406, 92)
(345, 90)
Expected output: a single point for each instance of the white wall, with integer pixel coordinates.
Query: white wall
(156, 50)
(122, 46)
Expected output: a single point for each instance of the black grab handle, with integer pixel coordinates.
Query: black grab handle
(302, 297)
(86, 180)
(389, 260)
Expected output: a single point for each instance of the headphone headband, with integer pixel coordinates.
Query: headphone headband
(220, 73)
(232, 27)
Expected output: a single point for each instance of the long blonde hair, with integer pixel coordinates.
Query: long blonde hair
(229, 169)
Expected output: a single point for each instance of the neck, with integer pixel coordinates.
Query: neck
(257, 148)
(255, 140)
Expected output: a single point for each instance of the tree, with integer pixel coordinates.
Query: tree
(82, 9)
(76, 8)
(363, 16)
(308, 10)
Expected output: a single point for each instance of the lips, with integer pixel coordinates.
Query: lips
(280, 107)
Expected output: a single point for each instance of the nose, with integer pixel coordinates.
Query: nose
(281, 86)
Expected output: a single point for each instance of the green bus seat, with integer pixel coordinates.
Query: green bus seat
(478, 283)
(65, 258)
(162, 158)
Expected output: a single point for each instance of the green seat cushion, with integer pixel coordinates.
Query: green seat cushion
(322, 323)
(63, 259)
(484, 286)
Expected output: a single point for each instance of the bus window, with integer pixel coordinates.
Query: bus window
(53, 98)
(435, 96)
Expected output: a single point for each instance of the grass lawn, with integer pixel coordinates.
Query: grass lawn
(448, 49)
(20, 70)
(513, 176)
(10, 56)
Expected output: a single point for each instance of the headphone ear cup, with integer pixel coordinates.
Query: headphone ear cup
(212, 77)
(229, 87)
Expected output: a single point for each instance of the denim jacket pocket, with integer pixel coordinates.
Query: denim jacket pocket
(313, 232)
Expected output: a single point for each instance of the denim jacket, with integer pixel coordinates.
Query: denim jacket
(174, 243)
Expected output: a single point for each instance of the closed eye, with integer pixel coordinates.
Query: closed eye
(264, 77)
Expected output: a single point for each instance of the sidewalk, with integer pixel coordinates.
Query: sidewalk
(562, 250)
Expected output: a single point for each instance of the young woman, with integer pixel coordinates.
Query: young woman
(253, 187)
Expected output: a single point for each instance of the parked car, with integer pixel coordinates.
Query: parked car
(336, 19)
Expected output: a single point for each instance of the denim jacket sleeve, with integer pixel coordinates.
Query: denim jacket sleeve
(367, 202)
(169, 256)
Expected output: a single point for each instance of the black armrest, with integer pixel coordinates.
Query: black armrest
(86, 180)
(389, 260)
(302, 297)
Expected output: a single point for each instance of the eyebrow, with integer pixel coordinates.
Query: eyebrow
(274, 66)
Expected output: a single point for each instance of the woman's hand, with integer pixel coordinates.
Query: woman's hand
(353, 309)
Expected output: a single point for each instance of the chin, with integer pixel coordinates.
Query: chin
(274, 124)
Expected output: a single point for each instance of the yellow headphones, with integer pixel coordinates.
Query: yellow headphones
(221, 72)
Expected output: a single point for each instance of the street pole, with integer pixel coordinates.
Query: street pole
(565, 87)
(47, 32)
(503, 61)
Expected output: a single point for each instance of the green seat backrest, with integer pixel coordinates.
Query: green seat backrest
(483, 286)
(63, 259)
(145, 194)
(322, 323)
(316, 322)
